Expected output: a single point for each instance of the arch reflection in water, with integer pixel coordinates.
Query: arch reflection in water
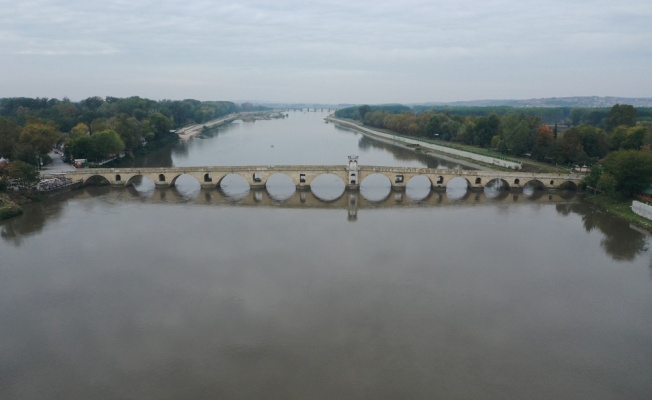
(142, 185)
(375, 187)
(234, 187)
(496, 189)
(457, 189)
(280, 187)
(418, 188)
(348, 198)
(533, 190)
(327, 187)
(187, 186)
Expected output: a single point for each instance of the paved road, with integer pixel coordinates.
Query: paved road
(57, 165)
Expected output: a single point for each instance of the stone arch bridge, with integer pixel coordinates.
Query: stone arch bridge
(303, 175)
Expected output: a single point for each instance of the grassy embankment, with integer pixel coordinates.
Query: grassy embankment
(8, 208)
(529, 165)
(621, 208)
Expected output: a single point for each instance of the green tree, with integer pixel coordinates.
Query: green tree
(80, 147)
(621, 114)
(363, 110)
(129, 128)
(80, 129)
(516, 135)
(544, 143)
(9, 134)
(41, 136)
(105, 144)
(485, 129)
(582, 144)
(627, 138)
(630, 171)
(160, 125)
(36, 139)
(19, 170)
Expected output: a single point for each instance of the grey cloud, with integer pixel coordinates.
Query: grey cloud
(387, 50)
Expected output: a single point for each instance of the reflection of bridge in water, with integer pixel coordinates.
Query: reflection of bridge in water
(350, 200)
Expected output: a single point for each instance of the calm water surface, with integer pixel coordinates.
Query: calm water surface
(301, 139)
(186, 293)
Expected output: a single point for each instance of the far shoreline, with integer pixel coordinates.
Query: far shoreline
(190, 131)
(429, 153)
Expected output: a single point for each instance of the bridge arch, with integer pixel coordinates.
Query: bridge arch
(498, 183)
(327, 187)
(234, 186)
(187, 185)
(535, 183)
(376, 187)
(418, 187)
(457, 188)
(96, 180)
(280, 186)
(303, 176)
(174, 179)
(568, 185)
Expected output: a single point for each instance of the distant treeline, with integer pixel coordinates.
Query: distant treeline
(561, 135)
(569, 116)
(96, 127)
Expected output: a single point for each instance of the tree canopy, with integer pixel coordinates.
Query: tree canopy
(29, 128)
(623, 172)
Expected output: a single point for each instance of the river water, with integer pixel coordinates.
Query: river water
(142, 293)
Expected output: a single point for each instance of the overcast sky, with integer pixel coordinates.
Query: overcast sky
(330, 51)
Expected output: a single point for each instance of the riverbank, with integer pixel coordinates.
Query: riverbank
(414, 147)
(410, 142)
(190, 131)
(8, 208)
(621, 209)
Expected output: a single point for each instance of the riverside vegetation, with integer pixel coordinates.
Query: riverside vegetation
(613, 142)
(541, 138)
(94, 129)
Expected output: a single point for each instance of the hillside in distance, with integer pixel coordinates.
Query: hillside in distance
(576, 101)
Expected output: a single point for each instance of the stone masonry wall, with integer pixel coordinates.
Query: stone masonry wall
(642, 209)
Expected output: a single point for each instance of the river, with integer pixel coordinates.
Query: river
(143, 293)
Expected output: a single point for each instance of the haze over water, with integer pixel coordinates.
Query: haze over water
(163, 294)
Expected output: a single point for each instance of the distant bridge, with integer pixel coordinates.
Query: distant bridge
(303, 175)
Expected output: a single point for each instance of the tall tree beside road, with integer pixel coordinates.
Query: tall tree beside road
(36, 140)
(97, 147)
(106, 144)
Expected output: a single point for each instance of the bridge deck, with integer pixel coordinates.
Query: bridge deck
(303, 175)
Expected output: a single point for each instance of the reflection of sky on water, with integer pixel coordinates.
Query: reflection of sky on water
(300, 139)
(120, 296)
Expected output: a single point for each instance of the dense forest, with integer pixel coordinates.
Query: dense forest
(96, 128)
